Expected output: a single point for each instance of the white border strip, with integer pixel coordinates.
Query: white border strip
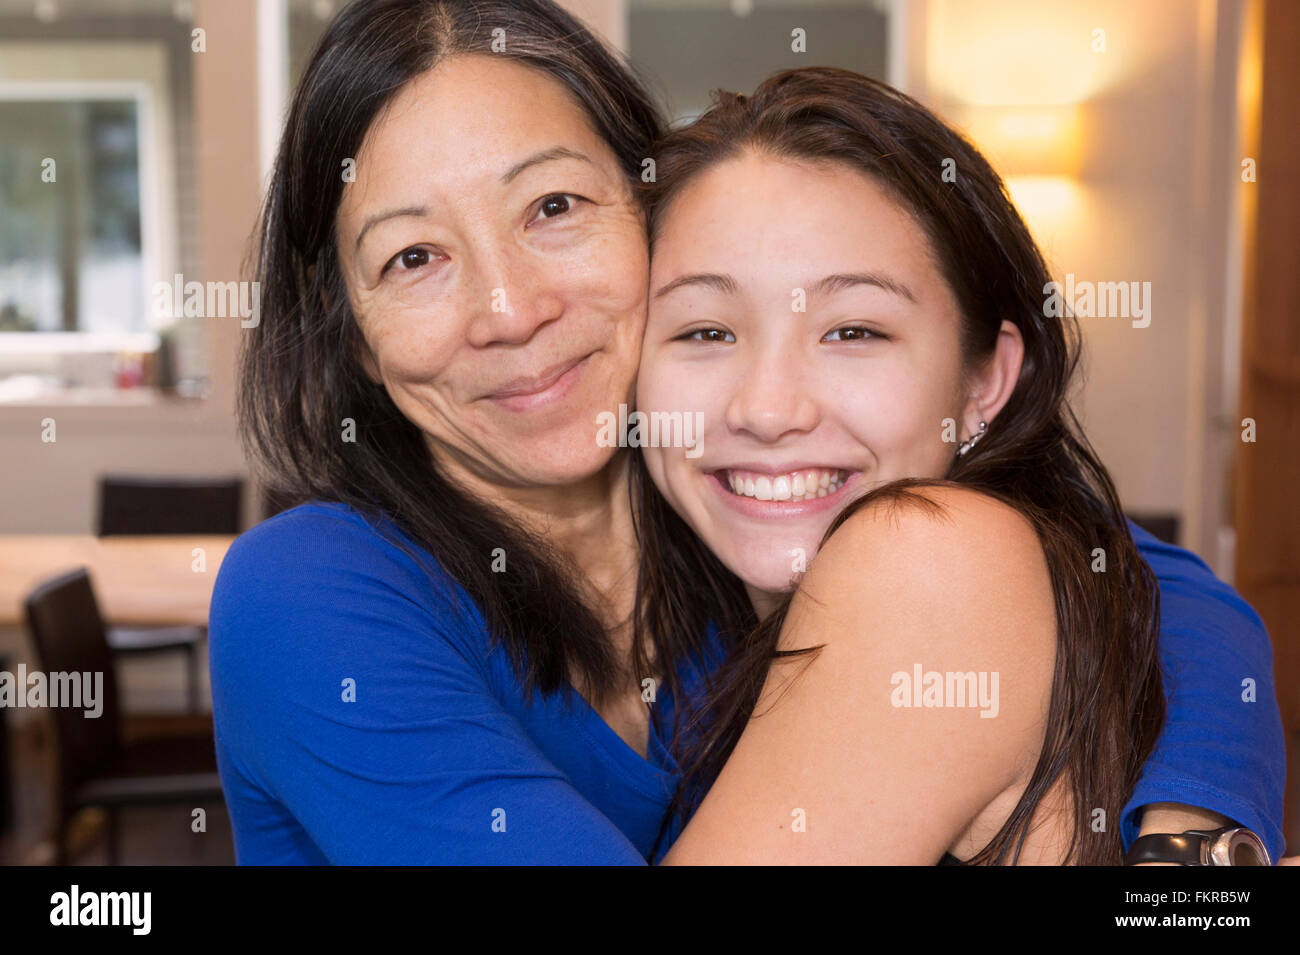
(272, 80)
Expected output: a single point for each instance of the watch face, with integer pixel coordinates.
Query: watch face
(1240, 847)
(1243, 852)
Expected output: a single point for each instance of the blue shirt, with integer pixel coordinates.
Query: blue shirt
(1222, 746)
(363, 716)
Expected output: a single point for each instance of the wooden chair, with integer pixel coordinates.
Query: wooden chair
(150, 505)
(169, 505)
(97, 767)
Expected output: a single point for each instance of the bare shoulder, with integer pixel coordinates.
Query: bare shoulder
(942, 567)
(925, 529)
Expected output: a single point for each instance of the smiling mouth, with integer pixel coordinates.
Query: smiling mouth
(805, 484)
(528, 386)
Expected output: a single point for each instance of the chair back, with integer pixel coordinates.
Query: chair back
(146, 505)
(68, 634)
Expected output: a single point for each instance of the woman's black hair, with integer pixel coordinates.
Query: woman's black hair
(299, 376)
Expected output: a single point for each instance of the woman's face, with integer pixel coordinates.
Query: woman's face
(799, 309)
(496, 263)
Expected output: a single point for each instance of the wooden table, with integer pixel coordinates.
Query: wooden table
(144, 581)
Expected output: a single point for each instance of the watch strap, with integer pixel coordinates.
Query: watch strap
(1184, 848)
(1223, 846)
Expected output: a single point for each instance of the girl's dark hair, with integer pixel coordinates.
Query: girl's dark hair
(299, 374)
(1107, 704)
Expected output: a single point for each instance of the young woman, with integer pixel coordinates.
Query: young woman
(394, 664)
(882, 390)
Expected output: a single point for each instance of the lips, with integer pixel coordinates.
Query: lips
(546, 391)
(734, 492)
(526, 385)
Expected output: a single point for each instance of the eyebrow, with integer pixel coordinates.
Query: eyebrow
(712, 280)
(546, 155)
(385, 216)
(828, 285)
(840, 281)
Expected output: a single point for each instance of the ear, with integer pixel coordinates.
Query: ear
(990, 387)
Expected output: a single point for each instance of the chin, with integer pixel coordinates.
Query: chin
(772, 573)
(554, 462)
(772, 583)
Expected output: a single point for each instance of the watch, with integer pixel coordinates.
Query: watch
(1231, 845)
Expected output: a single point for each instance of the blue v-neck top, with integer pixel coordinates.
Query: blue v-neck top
(363, 716)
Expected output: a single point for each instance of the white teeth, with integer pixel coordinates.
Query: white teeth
(796, 486)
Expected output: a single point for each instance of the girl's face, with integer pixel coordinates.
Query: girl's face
(496, 263)
(799, 309)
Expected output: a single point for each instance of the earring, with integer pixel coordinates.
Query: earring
(970, 442)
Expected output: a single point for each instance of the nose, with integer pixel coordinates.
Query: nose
(771, 398)
(512, 298)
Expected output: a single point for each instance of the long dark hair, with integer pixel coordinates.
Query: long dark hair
(299, 374)
(1107, 704)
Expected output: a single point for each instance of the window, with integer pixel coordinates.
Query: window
(70, 230)
(96, 204)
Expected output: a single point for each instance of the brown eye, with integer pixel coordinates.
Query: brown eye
(853, 333)
(555, 205)
(413, 258)
(709, 335)
(408, 260)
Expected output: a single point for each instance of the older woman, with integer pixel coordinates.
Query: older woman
(438, 658)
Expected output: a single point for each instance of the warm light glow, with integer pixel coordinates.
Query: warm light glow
(1021, 125)
(1025, 51)
(1027, 140)
(1050, 205)
(1250, 71)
